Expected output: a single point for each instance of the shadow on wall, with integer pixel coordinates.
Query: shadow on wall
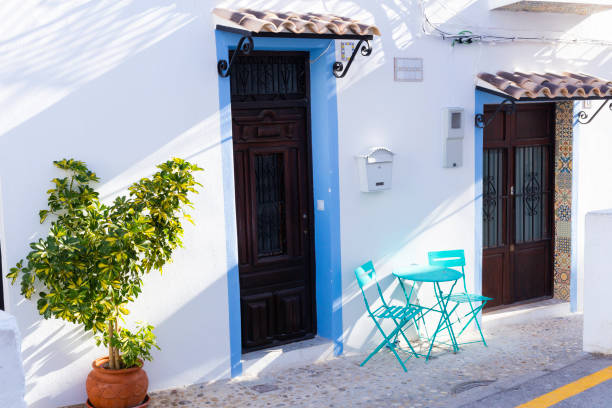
(124, 117)
(69, 343)
(369, 337)
(61, 346)
(178, 331)
(393, 248)
(69, 45)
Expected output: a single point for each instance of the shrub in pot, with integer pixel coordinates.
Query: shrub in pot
(91, 264)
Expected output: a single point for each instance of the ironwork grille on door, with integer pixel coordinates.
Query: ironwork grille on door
(268, 77)
(492, 198)
(531, 200)
(270, 202)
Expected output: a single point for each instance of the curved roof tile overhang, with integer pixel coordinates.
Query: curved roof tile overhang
(519, 85)
(296, 23)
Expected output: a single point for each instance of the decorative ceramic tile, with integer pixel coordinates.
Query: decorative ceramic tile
(563, 196)
(564, 165)
(563, 213)
(563, 228)
(563, 180)
(563, 245)
(564, 115)
(562, 291)
(562, 259)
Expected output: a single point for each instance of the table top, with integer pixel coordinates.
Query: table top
(427, 273)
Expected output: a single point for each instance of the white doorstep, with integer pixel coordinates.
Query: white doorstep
(262, 362)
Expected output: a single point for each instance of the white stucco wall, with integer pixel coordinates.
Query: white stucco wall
(123, 85)
(592, 169)
(597, 281)
(11, 368)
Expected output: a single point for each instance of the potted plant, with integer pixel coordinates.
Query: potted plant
(91, 264)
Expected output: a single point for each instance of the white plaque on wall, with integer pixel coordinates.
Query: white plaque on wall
(408, 69)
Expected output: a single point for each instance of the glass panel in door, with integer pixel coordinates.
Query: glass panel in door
(270, 204)
(492, 206)
(531, 194)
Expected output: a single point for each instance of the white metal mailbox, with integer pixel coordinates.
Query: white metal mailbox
(375, 169)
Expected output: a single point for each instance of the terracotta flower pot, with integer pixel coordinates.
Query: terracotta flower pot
(125, 388)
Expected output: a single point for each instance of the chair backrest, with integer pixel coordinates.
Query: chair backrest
(366, 274)
(455, 257)
(449, 259)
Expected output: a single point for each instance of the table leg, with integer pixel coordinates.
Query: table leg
(433, 339)
(421, 315)
(445, 315)
(407, 296)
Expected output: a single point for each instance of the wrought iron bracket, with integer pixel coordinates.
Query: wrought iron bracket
(508, 105)
(338, 67)
(245, 46)
(584, 118)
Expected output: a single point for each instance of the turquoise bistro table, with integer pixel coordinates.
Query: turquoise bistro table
(436, 275)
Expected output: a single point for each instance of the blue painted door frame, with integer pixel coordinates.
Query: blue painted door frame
(324, 131)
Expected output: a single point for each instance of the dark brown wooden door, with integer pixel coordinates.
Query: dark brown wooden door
(517, 204)
(273, 198)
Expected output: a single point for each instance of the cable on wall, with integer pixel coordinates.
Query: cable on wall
(322, 54)
(466, 37)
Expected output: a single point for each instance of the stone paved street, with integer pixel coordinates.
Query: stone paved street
(516, 348)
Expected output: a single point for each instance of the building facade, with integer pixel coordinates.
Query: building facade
(125, 85)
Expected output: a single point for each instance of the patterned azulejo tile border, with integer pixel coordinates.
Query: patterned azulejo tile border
(564, 114)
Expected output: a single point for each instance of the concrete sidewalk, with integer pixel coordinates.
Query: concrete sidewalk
(532, 387)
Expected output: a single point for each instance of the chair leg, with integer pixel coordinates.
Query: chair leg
(466, 325)
(385, 342)
(474, 317)
(406, 338)
(474, 313)
(399, 359)
(478, 324)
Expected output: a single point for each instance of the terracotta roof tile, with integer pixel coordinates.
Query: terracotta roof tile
(549, 85)
(297, 23)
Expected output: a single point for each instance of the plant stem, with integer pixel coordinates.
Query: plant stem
(117, 356)
(111, 351)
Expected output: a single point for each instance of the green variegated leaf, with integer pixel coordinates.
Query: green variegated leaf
(92, 261)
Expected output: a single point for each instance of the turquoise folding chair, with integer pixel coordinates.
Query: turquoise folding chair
(455, 259)
(400, 315)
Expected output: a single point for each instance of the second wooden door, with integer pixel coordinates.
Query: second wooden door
(517, 204)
